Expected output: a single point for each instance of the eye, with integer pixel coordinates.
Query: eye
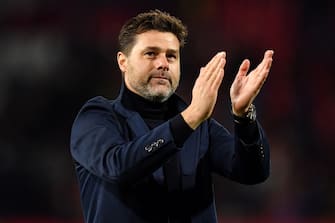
(171, 56)
(150, 54)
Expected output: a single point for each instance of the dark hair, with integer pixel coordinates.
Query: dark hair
(152, 20)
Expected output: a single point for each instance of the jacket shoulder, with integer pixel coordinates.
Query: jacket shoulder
(96, 107)
(98, 103)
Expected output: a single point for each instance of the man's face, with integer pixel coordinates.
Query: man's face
(152, 68)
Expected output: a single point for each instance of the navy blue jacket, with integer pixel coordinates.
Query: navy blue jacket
(118, 161)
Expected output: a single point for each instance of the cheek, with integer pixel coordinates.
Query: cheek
(176, 74)
(141, 68)
(137, 70)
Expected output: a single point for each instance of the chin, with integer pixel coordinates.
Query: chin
(159, 96)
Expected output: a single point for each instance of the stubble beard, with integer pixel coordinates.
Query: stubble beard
(151, 93)
(152, 90)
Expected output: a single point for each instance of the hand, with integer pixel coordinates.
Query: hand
(246, 87)
(205, 91)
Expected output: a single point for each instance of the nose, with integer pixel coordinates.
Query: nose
(161, 62)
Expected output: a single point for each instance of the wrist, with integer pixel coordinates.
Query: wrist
(248, 117)
(191, 118)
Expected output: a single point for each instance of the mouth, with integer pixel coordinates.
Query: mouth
(161, 79)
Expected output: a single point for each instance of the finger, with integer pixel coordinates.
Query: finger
(219, 75)
(264, 63)
(267, 62)
(266, 70)
(268, 59)
(269, 53)
(243, 70)
(217, 70)
(263, 74)
(269, 56)
(212, 64)
(218, 79)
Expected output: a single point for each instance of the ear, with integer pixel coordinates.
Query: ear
(122, 61)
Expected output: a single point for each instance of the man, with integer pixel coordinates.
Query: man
(147, 156)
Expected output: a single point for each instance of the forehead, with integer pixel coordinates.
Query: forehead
(153, 38)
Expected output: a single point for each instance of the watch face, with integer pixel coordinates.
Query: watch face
(249, 117)
(252, 112)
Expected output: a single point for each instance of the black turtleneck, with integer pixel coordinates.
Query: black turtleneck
(155, 113)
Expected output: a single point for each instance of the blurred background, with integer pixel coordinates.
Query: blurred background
(55, 55)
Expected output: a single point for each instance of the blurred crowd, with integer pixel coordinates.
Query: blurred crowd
(56, 55)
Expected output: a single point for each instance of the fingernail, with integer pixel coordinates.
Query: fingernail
(222, 53)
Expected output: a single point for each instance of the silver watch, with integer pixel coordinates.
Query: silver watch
(249, 117)
(251, 113)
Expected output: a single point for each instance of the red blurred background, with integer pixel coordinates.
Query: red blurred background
(56, 55)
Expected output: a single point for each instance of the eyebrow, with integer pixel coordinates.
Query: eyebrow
(154, 48)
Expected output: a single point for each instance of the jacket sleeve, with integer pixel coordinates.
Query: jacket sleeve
(244, 161)
(99, 145)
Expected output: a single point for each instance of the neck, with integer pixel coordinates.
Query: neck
(147, 109)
